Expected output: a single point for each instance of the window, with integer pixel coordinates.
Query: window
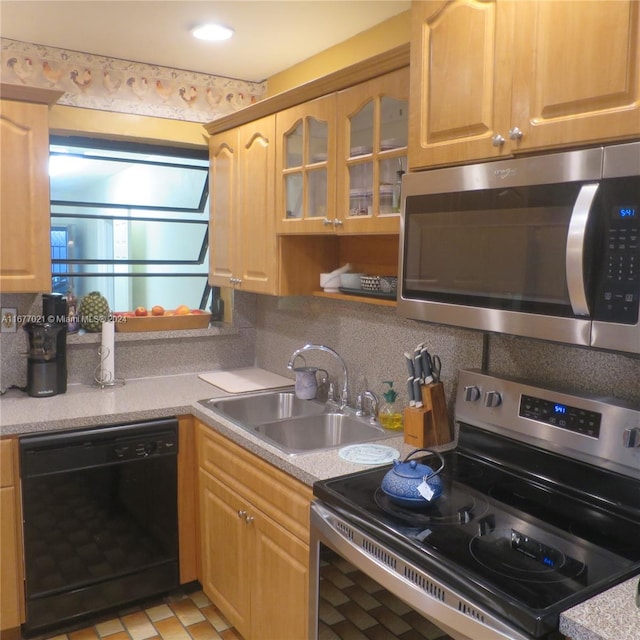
(131, 221)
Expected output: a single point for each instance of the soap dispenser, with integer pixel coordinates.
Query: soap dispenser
(389, 416)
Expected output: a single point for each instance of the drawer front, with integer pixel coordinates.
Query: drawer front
(6, 463)
(274, 492)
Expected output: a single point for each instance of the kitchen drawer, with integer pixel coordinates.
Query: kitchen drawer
(275, 493)
(6, 463)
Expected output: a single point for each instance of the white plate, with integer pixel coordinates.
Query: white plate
(369, 453)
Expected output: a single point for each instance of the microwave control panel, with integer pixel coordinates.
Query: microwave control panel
(619, 291)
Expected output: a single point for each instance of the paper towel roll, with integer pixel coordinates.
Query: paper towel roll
(107, 368)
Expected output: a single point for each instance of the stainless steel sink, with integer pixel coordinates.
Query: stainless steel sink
(293, 425)
(266, 407)
(326, 431)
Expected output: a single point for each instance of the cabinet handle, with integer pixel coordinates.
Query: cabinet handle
(242, 514)
(515, 133)
(326, 222)
(249, 519)
(497, 140)
(337, 222)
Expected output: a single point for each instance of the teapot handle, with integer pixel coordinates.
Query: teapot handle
(432, 452)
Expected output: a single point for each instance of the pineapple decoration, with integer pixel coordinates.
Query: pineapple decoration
(94, 310)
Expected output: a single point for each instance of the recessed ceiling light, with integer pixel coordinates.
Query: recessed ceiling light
(212, 32)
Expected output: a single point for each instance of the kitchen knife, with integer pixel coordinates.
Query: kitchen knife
(412, 400)
(417, 366)
(425, 359)
(409, 361)
(417, 392)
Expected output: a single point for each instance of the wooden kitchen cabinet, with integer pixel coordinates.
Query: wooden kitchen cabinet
(25, 255)
(254, 536)
(576, 72)
(372, 153)
(495, 78)
(11, 571)
(288, 252)
(344, 188)
(306, 167)
(242, 227)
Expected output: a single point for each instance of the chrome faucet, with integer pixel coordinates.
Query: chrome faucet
(344, 396)
(373, 400)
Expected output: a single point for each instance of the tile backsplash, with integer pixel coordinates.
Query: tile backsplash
(370, 338)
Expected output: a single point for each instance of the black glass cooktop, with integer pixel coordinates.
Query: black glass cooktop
(532, 546)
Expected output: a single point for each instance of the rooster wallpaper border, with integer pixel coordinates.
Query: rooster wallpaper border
(110, 84)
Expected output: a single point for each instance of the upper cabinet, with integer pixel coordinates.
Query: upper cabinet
(352, 186)
(306, 161)
(576, 75)
(372, 154)
(25, 262)
(493, 78)
(242, 228)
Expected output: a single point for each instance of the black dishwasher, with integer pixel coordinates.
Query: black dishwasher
(100, 519)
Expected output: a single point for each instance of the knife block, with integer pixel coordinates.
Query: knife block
(428, 426)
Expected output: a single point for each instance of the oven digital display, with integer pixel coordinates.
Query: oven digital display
(561, 415)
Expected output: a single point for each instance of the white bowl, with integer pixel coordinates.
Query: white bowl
(350, 280)
(330, 281)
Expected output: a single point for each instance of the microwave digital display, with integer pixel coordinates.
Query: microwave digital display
(625, 212)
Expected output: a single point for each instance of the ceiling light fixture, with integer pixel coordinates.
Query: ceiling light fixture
(212, 32)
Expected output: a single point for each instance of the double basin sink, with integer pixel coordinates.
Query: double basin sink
(295, 426)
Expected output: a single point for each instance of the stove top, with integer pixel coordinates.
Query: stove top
(528, 531)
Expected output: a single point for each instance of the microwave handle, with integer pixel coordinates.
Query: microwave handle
(576, 247)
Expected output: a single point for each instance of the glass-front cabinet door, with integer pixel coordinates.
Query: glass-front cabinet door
(372, 153)
(305, 161)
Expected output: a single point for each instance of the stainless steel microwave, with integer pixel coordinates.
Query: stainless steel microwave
(542, 246)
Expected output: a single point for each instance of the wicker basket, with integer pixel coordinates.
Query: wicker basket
(370, 283)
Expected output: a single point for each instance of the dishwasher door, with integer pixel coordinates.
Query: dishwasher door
(100, 519)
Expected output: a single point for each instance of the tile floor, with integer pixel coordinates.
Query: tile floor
(181, 616)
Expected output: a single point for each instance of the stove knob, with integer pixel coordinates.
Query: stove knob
(631, 438)
(471, 393)
(492, 399)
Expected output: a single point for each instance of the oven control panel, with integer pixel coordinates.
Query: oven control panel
(601, 431)
(560, 415)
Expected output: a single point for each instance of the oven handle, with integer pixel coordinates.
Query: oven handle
(446, 611)
(576, 241)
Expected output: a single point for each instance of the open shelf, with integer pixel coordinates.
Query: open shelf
(365, 299)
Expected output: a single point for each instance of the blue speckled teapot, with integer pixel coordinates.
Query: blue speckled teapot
(404, 483)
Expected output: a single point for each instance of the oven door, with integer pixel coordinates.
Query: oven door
(356, 582)
(504, 246)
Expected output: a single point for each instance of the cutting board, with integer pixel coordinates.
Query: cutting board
(245, 380)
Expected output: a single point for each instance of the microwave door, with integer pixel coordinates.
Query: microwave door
(496, 260)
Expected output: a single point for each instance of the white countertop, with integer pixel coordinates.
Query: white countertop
(610, 616)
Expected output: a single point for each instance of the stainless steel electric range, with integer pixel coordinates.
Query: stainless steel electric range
(540, 511)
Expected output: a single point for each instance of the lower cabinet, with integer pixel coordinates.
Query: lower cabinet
(11, 591)
(254, 532)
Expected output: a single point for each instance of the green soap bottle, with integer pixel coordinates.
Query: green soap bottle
(389, 415)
